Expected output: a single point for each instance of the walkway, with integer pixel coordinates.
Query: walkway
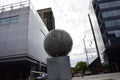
(110, 76)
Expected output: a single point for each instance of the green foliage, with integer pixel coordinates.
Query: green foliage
(80, 66)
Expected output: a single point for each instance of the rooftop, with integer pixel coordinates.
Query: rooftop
(14, 6)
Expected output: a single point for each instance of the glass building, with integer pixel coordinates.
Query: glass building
(107, 13)
(22, 33)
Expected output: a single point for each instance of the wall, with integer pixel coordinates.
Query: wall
(13, 32)
(22, 32)
(36, 34)
(98, 36)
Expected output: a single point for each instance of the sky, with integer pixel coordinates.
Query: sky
(71, 16)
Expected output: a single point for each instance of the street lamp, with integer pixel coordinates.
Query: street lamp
(85, 52)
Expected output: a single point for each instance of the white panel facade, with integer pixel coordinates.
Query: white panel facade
(36, 34)
(22, 32)
(13, 32)
(98, 36)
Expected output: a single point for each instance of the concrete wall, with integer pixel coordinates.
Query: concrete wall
(97, 32)
(22, 33)
(13, 32)
(36, 34)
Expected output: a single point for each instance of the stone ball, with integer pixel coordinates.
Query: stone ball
(58, 43)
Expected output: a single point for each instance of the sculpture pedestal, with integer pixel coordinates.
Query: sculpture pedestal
(58, 68)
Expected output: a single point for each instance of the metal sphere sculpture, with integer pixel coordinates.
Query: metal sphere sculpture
(58, 43)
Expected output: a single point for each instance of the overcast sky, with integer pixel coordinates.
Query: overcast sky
(70, 15)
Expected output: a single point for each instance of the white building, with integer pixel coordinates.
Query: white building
(22, 34)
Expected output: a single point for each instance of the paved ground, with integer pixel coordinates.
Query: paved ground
(110, 76)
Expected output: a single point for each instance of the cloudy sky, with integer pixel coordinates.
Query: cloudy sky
(70, 15)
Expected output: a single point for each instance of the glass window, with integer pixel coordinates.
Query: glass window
(103, 5)
(8, 20)
(116, 13)
(118, 10)
(107, 23)
(118, 22)
(4, 21)
(109, 5)
(111, 13)
(105, 14)
(111, 34)
(117, 33)
(13, 19)
(112, 23)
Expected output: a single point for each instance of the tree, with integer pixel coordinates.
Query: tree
(80, 66)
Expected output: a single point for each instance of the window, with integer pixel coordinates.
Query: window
(105, 14)
(111, 34)
(109, 5)
(115, 33)
(116, 12)
(107, 23)
(4, 21)
(112, 23)
(118, 22)
(111, 13)
(8, 20)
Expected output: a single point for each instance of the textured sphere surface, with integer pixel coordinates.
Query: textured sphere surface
(58, 43)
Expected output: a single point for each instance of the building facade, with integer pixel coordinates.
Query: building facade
(22, 33)
(47, 17)
(107, 13)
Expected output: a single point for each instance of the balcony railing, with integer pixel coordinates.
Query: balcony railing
(14, 6)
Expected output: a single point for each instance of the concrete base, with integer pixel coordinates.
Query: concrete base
(58, 68)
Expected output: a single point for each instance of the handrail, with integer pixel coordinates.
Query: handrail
(14, 6)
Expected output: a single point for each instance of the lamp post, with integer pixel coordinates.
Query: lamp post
(85, 52)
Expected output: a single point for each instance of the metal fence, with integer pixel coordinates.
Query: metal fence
(14, 6)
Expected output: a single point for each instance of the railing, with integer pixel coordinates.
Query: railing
(14, 6)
